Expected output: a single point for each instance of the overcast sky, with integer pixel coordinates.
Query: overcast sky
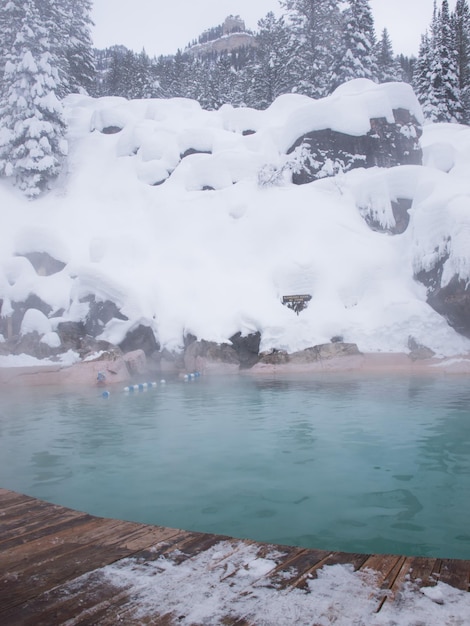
(163, 26)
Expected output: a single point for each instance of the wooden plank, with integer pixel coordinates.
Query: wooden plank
(455, 573)
(334, 558)
(229, 549)
(11, 498)
(414, 569)
(17, 515)
(53, 564)
(26, 554)
(86, 598)
(50, 558)
(297, 567)
(97, 601)
(383, 566)
(41, 525)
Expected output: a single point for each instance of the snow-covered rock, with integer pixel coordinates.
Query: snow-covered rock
(163, 226)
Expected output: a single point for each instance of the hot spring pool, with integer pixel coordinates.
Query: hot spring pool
(336, 462)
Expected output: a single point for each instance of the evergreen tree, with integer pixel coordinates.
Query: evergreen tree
(437, 81)
(32, 144)
(78, 48)
(422, 74)
(54, 18)
(271, 69)
(223, 83)
(461, 30)
(11, 16)
(357, 52)
(388, 67)
(407, 67)
(178, 74)
(315, 27)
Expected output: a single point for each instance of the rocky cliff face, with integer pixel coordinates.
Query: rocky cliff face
(231, 35)
(227, 43)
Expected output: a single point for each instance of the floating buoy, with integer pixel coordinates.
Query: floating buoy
(139, 387)
(105, 394)
(162, 382)
(191, 376)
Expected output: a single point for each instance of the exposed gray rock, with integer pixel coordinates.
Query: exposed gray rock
(418, 352)
(166, 362)
(140, 338)
(323, 352)
(451, 301)
(247, 348)
(99, 314)
(31, 344)
(136, 362)
(12, 325)
(111, 130)
(71, 334)
(400, 208)
(275, 357)
(203, 356)
(73, 337)
(191, 151)
(385, 145)
(44, 263)
(310, 355)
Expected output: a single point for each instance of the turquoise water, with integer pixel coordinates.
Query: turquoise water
(336, 462)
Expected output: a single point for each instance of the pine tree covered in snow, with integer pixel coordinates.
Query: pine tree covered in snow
(388, 67)
(32, 144)
(436, 78)
(315, 27)
(78, 48)
(422, 73)
(271, 71)
(356, 57)
(461, 29)
(11, 14)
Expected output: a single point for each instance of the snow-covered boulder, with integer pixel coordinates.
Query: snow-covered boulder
(360, 125)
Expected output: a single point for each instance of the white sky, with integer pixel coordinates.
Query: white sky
(163, 26)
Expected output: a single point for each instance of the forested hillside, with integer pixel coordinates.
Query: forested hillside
(46, 52)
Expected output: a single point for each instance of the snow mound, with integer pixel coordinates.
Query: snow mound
(166, 219)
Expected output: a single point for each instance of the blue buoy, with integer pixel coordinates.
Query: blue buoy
(105, 394)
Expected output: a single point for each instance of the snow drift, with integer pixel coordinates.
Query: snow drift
(161, 213)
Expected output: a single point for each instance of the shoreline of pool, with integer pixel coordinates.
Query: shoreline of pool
(116, 371)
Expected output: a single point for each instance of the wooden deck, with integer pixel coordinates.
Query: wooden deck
(45, 548)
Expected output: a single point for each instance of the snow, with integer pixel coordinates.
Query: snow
(24, 360)
(210, 252)
(228, 580)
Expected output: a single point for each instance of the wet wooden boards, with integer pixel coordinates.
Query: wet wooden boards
(50, 560)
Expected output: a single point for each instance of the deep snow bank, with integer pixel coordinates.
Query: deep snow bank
(165, 220)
